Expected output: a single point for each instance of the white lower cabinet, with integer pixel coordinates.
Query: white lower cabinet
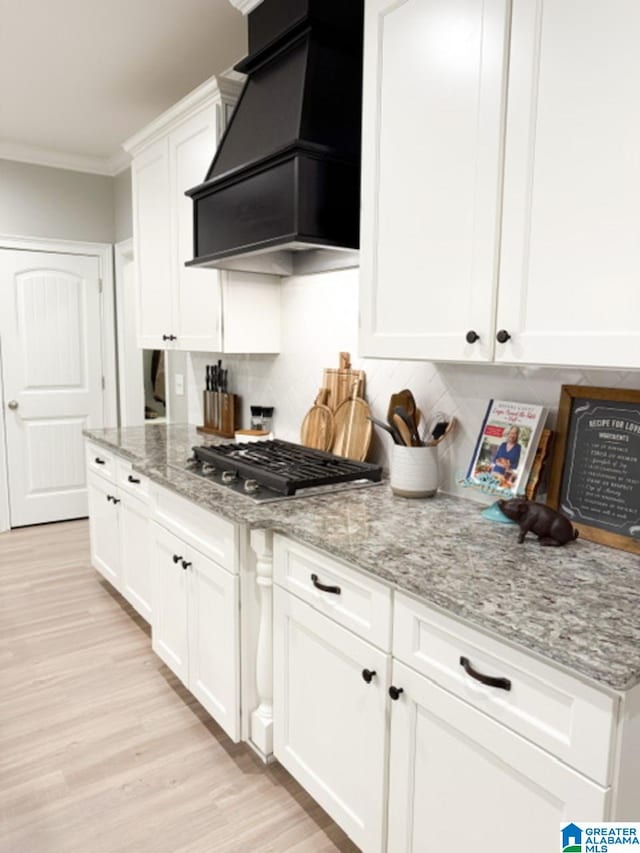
(119, 528)
(461, 781)
(330, 727)
(196, 625)
(134, 552)
(103, 527)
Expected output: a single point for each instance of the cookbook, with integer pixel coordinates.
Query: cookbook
(506, 446)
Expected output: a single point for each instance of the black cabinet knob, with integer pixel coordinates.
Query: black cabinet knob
(503, 336)
(109, 497)
(395, 692)
(133, 480)
(116, 500)
(368, 675)
(166, 337)
(185, 565)
(472, 337)
(177, 558)
(99, 461)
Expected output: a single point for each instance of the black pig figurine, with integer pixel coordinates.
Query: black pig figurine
(551, 527)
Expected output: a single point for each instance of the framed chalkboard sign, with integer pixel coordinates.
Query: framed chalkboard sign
(595, 474)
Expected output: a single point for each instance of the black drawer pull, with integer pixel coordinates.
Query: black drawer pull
(99, 461)
(489, 680)
(335, 590)
(177, 558)
(395, 692)
(133, 480)
(368, 675)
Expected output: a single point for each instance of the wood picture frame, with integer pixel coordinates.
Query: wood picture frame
(588, 486)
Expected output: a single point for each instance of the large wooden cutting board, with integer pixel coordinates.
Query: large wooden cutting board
(339, 381)
(352, 428)
(318, 427)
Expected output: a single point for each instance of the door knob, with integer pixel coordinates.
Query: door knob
(12, 404)
(503, 336)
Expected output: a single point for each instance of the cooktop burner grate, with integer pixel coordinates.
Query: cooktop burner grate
(286, 467)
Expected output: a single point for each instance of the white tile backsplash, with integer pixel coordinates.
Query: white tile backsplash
(320, 319)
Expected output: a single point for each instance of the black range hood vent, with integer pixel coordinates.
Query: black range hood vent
(283, 192)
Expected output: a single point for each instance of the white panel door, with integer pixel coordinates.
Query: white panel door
(169, 636)
(198, 299)
(329, 723)
(104, 501)
(570, 259)
(135, 554)
(50, 325)
(152, 247)
(214, 641)
(434, 93)
(460, 781)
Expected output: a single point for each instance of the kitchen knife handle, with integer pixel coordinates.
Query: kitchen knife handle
(335, 590)
(489, 680)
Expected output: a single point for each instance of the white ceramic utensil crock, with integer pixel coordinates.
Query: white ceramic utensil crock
(414, 471)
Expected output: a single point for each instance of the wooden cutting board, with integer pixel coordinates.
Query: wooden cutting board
(352, 427)
(317, 427)
(339, 381)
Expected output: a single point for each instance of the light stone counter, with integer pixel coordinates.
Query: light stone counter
(578, 606)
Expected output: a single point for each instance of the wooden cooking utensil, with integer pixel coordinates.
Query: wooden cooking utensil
(352, 427)
(402, 429)
(339, 381)
(317, 427)
(404, 399)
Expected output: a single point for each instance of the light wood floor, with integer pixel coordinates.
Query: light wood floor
(101, 748)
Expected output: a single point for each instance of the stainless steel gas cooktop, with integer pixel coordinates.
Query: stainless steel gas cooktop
(279, 470)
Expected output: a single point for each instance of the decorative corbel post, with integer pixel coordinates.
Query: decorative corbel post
(262, 716)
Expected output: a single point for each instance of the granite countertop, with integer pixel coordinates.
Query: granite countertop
(578, 605)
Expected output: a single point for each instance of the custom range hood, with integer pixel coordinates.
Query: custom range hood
(282, 194)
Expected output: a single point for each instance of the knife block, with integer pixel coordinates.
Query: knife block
(219, 409)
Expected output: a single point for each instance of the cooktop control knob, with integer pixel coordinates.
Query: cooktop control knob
(192, 462)
(251, 487)
(229, 476)
(207, 469)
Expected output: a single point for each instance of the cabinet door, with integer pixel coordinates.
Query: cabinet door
(103, 527)
(329, 723)
(214, 638)
(135, 556)
(455, 771)
(169, 638)
(152, 239)
(434, 92)
(197, 290)
(570, 258)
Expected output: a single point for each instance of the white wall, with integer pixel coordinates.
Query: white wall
(320, 317)
(122, 207)
(38, 201)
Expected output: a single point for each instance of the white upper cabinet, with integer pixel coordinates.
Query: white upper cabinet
(180, 307)
(433, 107)
(152, 228)
(570, 260)
(491, 208)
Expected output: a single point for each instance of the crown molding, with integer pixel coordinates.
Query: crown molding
(245, 6)
(39, 156)
(212, 89)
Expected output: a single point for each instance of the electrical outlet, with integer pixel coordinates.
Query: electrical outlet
(179, 384)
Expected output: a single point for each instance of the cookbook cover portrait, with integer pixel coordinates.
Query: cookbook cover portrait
(506, 446)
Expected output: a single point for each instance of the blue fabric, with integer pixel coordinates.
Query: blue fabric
(512, 455)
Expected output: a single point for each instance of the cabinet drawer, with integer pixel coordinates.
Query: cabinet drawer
(564, 716)
(362, 604)
(130, 481)
(101, 461)
(213, 536)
